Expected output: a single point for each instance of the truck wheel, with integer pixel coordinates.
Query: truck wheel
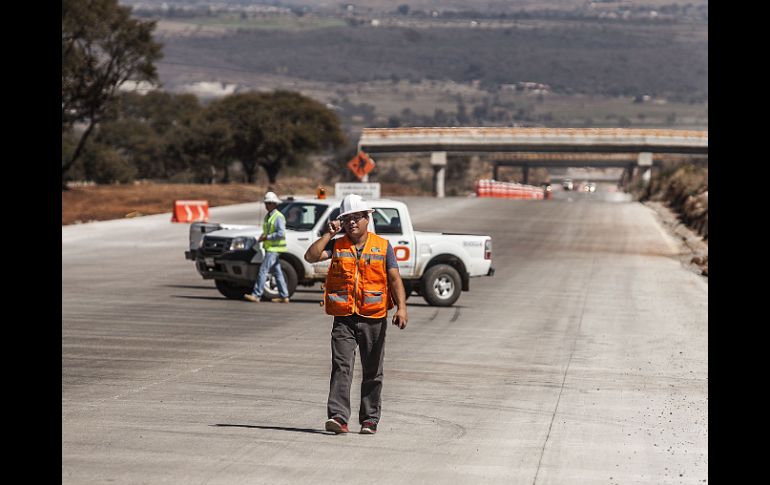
(289, 275)
(231, 290)
(410, 287)
(441, 285)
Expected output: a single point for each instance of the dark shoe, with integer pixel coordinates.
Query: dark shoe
(336, 426)
(250, 297)
(280, 300)
(368, 427)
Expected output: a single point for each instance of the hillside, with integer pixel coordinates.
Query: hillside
(587, 57)
(551, 63)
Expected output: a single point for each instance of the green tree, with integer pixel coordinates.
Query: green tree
(273, 130)
(204, 147)
(140, 127)
(105, 165)
(161, 110)
(102, 48)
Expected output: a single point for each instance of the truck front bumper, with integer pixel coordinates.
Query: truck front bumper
(234, 266)
(235, 271)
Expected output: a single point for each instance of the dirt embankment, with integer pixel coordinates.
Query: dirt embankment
(684, 190)
(105, 202)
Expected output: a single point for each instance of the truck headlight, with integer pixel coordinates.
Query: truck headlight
(241, 243)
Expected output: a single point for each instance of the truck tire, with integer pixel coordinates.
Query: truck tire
(230, 290)
(289, 274)
(408, 288)
(441, 285)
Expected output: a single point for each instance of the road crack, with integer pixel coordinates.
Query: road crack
(566, 369)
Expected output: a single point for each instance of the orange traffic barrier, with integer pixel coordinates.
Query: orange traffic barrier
(481, 188)
(190, 211)
(508, 190)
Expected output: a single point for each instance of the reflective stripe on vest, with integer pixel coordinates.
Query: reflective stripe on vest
(358, 285)
(344, 254)
(268, 227)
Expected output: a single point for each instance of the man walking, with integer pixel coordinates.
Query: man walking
(362, 282)
(273, 241)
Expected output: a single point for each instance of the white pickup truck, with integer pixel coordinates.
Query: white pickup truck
(437, 266)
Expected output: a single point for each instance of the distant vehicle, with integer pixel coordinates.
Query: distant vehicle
(568, 185)
(589, 187)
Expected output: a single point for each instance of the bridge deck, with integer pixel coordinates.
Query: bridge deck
(599, 140)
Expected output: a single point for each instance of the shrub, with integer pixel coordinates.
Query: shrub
(105, 165)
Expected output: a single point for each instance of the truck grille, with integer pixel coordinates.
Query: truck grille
(214, 246)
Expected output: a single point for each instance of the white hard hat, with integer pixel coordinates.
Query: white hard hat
(272, 198)
(353, 203)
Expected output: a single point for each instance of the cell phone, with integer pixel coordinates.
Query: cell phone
(328, 223)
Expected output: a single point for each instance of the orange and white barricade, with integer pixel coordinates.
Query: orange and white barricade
(483, 188)
(507, 190)
(190, 211)
(515, 190)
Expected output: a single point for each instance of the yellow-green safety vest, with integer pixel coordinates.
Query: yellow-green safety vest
(268, 227)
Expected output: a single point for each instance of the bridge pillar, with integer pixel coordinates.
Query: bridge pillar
(622, 179)
(644, 159)
(438, 162)
(525, 171)
(628, 176)
(496, 171)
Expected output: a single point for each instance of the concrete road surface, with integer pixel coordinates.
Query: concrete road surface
(582, 361)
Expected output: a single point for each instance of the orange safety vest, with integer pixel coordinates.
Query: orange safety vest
(358, 285)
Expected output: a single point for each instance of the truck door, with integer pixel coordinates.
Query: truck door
(387, 223)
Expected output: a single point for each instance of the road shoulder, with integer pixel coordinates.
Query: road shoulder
(693, 249)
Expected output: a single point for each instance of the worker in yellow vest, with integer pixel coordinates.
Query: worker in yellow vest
(273, 241)
(362, 284)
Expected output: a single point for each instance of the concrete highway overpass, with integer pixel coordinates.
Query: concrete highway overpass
(613, 140)
(589, 143)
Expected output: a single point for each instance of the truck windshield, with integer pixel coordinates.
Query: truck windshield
(301, 216)
(387, 221)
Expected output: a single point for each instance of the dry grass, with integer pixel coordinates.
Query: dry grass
(105, 202)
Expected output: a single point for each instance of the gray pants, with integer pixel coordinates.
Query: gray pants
(369, 335)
